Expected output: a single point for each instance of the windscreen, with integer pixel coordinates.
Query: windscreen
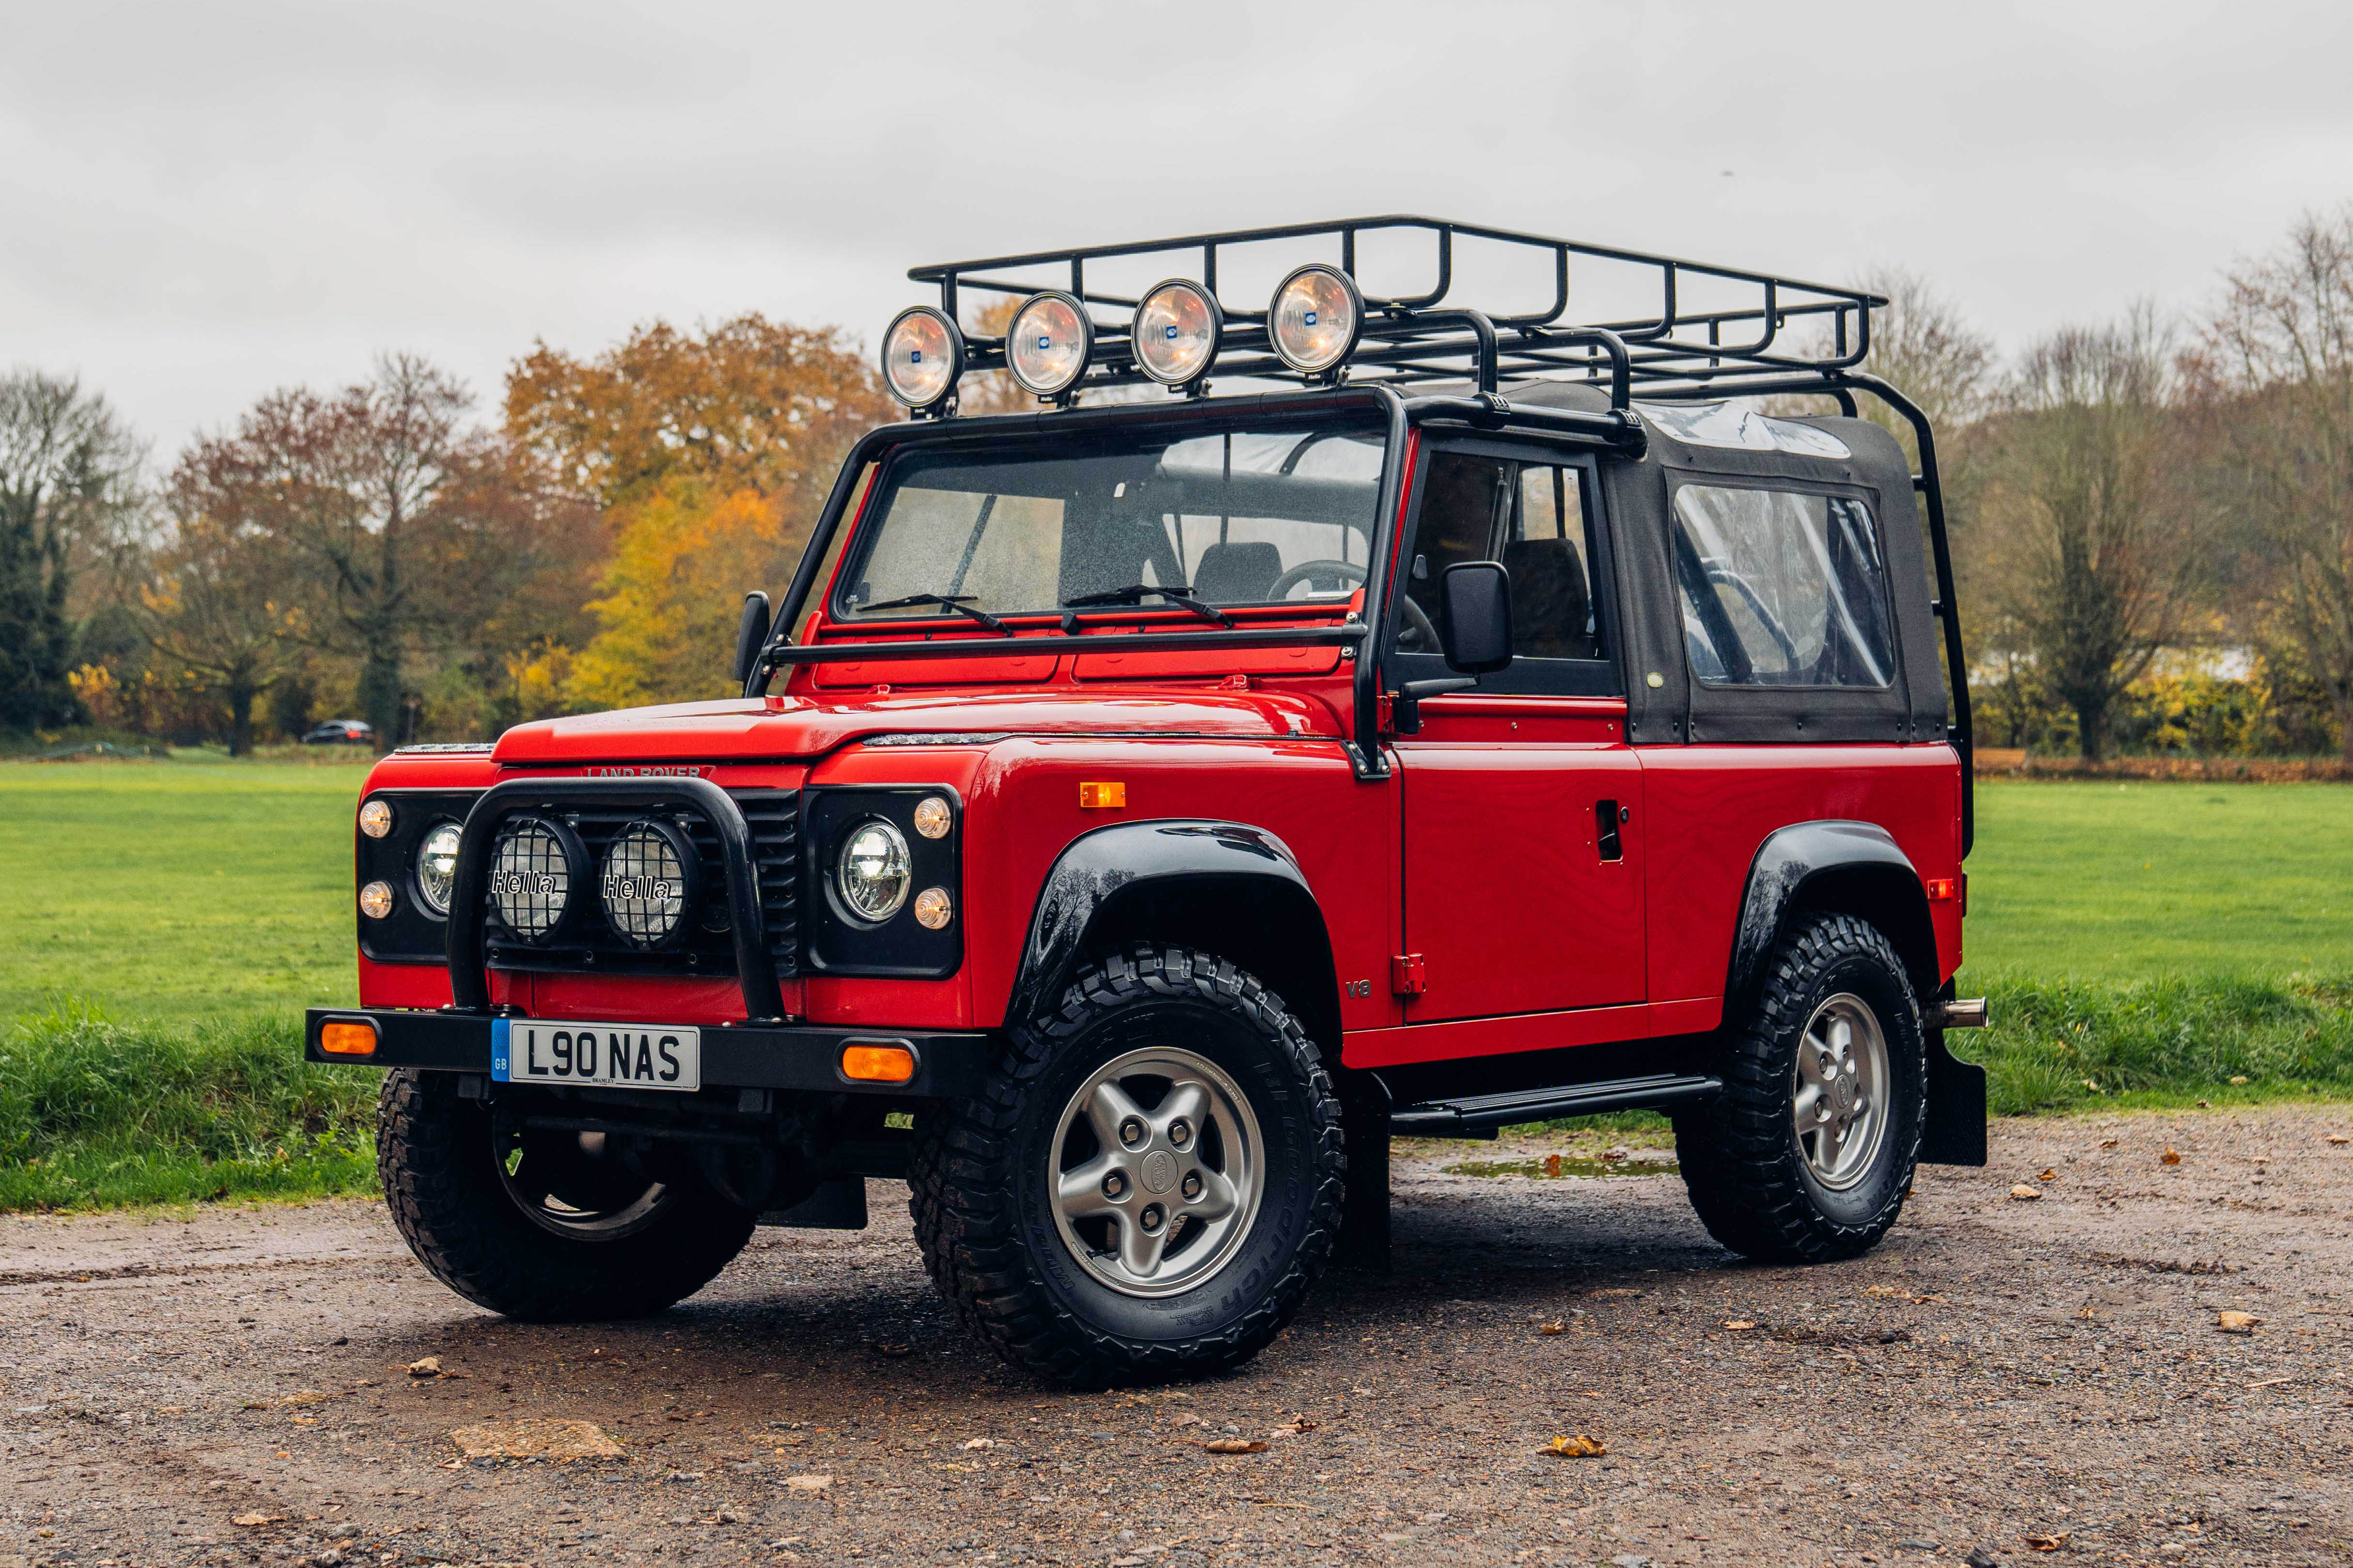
(1236, 517)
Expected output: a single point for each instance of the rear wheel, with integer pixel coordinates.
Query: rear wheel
(1151, 1183)
(543, 1225)
(1807, 1154)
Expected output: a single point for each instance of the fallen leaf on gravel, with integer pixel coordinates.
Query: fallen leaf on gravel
(426, 1366)
(1297, 1424)
(256, 1520)
(1553, 1328)
(1739, 1325)
(536, 1437)
(2237, 1078)
(2048, 1177)
(1617, 1290)
(1577, 1447)
(2110, 1143)
(2023, 1194)
(981, 1443)
(1880, 1290)
(2046, 1542)
(305, 1396)
(894, 1351)
(2237, 1322)
(807, 1483)
(2170, 1157)
(1234, 1445)
(2339, 1138)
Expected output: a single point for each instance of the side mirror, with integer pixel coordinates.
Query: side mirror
(1477, 598)
(752, 634)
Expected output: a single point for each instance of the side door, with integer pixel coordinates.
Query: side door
(1522, 807)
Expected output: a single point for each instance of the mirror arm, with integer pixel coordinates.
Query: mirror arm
(1405, 708)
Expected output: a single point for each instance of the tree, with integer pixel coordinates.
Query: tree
(69, 468)
(2274, 373)
(1924, 347)
(215, 613)
(710, 457)
(2083, 512)
(400, 527)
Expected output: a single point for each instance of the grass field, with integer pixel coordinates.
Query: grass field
(2143, 943)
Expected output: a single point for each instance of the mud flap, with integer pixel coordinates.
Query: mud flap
(1365, 1106)
(1955, 1123)
(839, 1203)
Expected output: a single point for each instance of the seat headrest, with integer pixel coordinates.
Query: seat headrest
(1237, 573)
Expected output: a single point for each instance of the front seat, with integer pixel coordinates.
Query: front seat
(1552, 613)
(1237, 573)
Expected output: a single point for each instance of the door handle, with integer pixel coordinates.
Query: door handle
(1607, 816)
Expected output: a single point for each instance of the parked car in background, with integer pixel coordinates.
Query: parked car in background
(341, 733)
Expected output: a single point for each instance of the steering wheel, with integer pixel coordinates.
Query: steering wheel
(1347, 571)
(1420, 635)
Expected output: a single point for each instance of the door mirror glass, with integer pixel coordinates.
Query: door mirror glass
(751, 634)
(1477, 630)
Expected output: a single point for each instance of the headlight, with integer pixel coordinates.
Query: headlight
(436, 867)
(532, 874)
(1176, 333)
(872, 874)
(1047, 346)
(923, 355)
(646, 884)
(1315, 318)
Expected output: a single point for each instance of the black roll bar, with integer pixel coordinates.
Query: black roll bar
(470, 990)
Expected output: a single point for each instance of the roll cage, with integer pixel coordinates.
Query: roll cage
(1677, 355)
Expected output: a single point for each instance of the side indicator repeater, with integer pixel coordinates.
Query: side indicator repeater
(347, 1039)
(1939, 888)
(1102, 796)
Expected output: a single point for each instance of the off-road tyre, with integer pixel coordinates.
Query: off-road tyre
(1741, 1161)
(984, 1220)
(435, 1154)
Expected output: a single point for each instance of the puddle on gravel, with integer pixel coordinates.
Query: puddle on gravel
(1555, 1167)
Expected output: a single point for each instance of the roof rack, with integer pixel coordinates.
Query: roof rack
(1677, 355)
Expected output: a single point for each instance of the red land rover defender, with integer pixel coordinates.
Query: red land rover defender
(1138, 814)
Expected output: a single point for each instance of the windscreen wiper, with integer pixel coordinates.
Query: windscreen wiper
(960, 603)
(1175, 594)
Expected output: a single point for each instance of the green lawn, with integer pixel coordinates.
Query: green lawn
(179, 890)
(2142, 943)
(2102, 881)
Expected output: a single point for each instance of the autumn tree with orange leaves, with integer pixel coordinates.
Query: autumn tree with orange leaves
(710, 455)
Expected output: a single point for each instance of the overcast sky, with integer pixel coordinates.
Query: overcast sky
(200, 202)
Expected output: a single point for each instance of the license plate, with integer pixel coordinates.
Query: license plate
(605, 1056)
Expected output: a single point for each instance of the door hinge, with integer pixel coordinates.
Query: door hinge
(1406, 977)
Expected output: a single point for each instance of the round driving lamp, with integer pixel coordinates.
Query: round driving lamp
(923, 355)
(873, 871)
(1048, 345)
(534, 872)
(1315, 317)
(647, 882)
(375, 818)
(436, 868)
(1176, 333)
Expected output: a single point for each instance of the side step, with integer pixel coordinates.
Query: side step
(1479, 1115)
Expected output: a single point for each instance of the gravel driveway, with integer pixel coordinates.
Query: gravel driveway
(2003, 1376)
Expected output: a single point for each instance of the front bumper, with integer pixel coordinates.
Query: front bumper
(733, 1056)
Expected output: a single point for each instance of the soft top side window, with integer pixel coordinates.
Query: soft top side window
(1781, 588)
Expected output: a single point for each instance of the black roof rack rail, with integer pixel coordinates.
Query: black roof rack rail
(1676, 355)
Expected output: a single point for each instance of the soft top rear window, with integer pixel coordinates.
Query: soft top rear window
(1251, 515)
(1781, 588)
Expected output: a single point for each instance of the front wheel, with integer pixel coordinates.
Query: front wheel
(1151, 1183)
(1809, 1151)
(549, 1225)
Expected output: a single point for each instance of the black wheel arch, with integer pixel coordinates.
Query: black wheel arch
(1225, 887)
(1839, 867)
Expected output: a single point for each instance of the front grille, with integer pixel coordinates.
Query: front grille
(589, 943)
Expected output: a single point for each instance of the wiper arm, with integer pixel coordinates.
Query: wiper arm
(959, 603)
(1175, 594)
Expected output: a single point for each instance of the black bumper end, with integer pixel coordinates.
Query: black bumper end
(947, 1065)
